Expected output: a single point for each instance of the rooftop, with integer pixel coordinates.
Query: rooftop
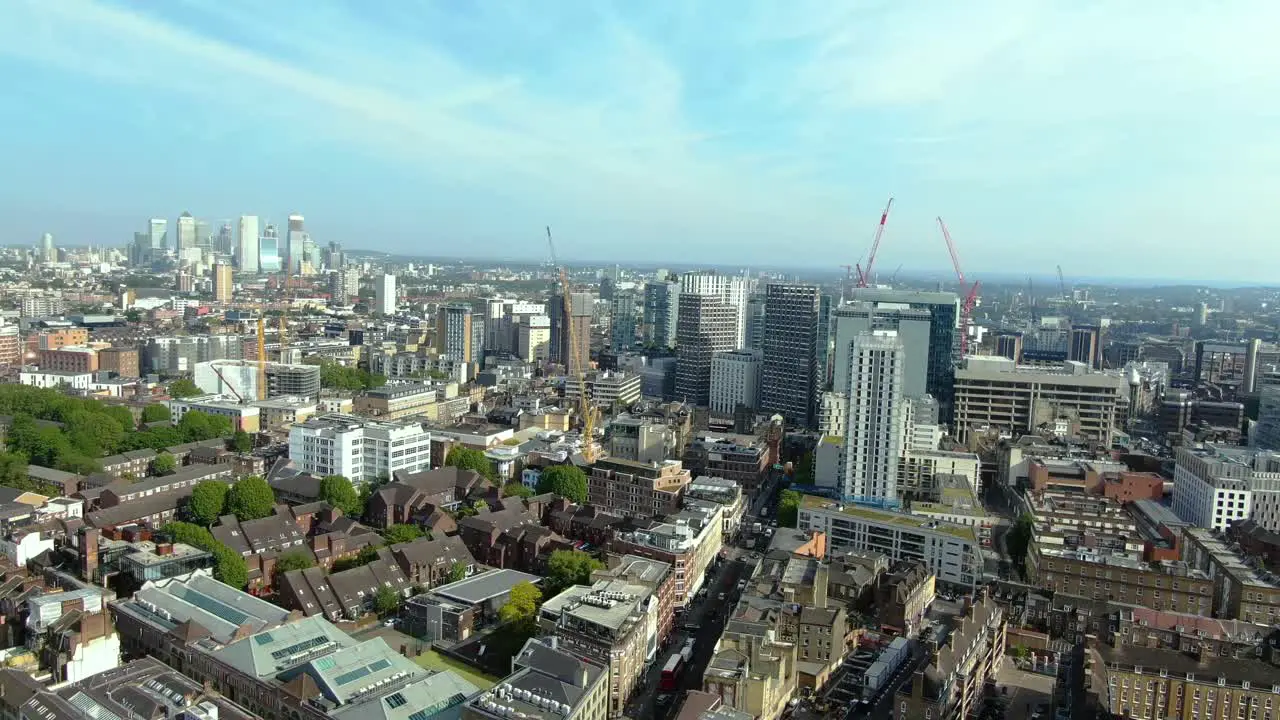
(287, 646)
(485, 586)
(607, 603)
(1222, 670)
(199, 599)
(888, 517)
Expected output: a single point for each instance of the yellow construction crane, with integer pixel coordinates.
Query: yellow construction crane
(262, 357)
(575, 363)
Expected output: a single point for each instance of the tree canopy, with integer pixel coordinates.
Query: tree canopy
(183, 388)
(241, 442)
(13, 474)
(340, 493)
(401, 533)
(340, 377)
(565, 480)
(294, 560)
(156, 412)
(469, 459)
(386, 601)
(521, 608)
(164, 464)
(515, 489)
(229, 566)
(789, 508)
(566, 568)
(250, 498)
(457, 572)
(208, 501)
(366, 555)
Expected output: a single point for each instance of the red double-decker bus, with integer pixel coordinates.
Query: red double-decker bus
(674, 668)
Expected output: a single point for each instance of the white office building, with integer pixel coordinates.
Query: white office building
(534, 339)
(951, 552)
(735, 380)
(1215, 486)
(384, 291)
(247, 235)
(875, 425)
(357, 448)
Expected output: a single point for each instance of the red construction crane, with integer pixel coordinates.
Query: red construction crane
(863, 277)
(970, 291)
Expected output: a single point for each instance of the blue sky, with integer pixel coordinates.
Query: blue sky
(1128, 138)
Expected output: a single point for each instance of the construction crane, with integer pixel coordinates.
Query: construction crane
(970, 292)
(573, 358)
(262, 357)
(865, 276)
(894, 277)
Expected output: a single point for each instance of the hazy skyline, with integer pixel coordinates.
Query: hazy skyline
(1128, 135)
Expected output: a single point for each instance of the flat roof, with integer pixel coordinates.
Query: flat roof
(485, 586)
(888, 517)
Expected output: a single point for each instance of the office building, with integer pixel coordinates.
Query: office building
(951, 552)
(606, 388)
(735, 380)
(789, 374)
(875, 424)
(1221, 363)
(359, 449)
(177, 355)
(247, 239)
(1072, 401)
(688, 540)
(887, 312)
(454, 332)
(1214, 486)
(384, 293)
(533, 344)
(222, 288)
(826, 313)
(913, 327)
(186, 233)
(661, 311)
(48, 253)
(392, 402)
(1267, 432)
(622, 330)
(571, 333)
(270, 259)
(755, 323)
(546, 683)
(239, 378)
(712, 319)
(1086, 345)
(295, 245)
(1009, 345)
(158, 235)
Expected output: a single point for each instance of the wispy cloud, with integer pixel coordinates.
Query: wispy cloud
(713, 130)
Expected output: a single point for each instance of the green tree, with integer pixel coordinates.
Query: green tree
(155, 412)
(469, 459)
(803, 470)
(521, 608)
(340, 493)
(515, 489)
(241, 442)
(195, 426)
(123, 416)
(566, 568)
(386, 601)
(208, 501)
(251, 498)
(366, 555)
(133, 316)
(183, 387)
(164, 464)
(789, 508)
(1018, 539)
(294, 560)
(457, 572)
(229, 566)
(565, 480)
(401, 533)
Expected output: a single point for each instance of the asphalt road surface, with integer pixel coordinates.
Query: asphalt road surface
(709, 615)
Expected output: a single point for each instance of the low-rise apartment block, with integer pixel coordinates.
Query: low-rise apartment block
(392, 402)
(1243, 588)
(637, 489)
(952, 683)
(951, 552)
(740, 458)
(359, 449)
(688, 540)
(245, 418)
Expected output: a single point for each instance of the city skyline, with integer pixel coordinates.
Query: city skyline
(644, 133)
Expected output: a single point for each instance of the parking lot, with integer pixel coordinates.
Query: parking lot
(1026, 690)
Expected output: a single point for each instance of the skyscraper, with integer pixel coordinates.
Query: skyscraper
(755, 322)
(661, 310)
(158, 230)
(571, 349)
(622, 331)
(454, 332)
(226, 240)
(875, 423)
(344, 285)
(789, 381)
(1086, 345)
(296, 244)
(222, 291)
(247, 244)
(186, 232)
(269, 260)
(711, 319)
(384, 294)
(48, 253)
